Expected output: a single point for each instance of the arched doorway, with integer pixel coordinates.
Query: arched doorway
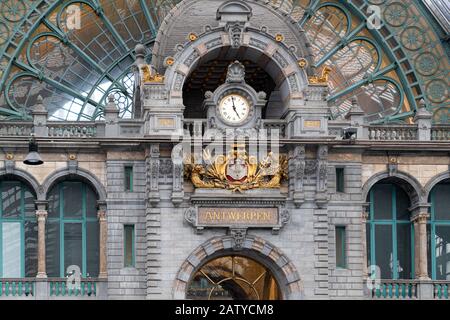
(233, 277)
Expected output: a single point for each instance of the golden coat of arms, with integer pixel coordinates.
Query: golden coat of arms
(237, 171)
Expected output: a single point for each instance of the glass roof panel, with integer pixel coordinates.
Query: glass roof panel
(74, 64)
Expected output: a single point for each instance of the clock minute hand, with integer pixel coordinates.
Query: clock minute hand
(234, 107)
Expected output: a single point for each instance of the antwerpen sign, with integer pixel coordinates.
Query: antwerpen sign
(237, 217)
(245, 217)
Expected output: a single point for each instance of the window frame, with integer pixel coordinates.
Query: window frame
(433, 223)
(22, 219)
(393, 222)
(83, 220)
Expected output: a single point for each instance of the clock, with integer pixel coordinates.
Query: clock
(234, 109)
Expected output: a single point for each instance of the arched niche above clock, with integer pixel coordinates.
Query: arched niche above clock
(234, 104)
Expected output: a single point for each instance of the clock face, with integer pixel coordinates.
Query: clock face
(234, 109)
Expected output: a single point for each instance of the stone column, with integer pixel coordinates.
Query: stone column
(103, 224)
(41, 215)
(423, 251)
(420, 246)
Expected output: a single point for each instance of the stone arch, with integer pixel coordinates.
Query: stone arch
(434, 181)
(173, 31)
(83, 175)
(282, 64)
(256, 248)
(25, 177)
(411, 185)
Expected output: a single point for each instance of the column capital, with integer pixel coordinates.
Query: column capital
(419, 208)
(420, 217)
(101, 215)
(41, 204)
(41, 214)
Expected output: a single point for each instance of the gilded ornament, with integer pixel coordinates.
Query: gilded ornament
(150, 76)
(237, 171)
(302, 63)
(192, 36)
(322, 79)
(279, 37)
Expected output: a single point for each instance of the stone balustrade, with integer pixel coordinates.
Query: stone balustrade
(197, 128)
(72, 129)
(393, 132)
(440, 133)
(20, 129)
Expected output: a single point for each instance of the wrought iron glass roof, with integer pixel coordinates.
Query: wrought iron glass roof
(43, 51)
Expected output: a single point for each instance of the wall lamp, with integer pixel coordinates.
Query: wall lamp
(33, 157)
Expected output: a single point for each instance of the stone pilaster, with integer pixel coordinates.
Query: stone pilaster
(364, 217)
(103, 236)
(41, 215)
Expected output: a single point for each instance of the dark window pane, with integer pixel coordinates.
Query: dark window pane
(73, 200)
(402, 204)
(129, 246)
(29, 199)
(441, 201)
(72, 245)
(340, 180)
(442, 251)
(128, 178)
(404, 250)
(91, 203)
(31, 248)
(92, 234)
(53, 203)
(383, 250)
(382, 201)
(11, 199)
(340, 247)
(52, 245)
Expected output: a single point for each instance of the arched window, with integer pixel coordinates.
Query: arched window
(439, 232)
(18, 230)
(72, 236)
(390, 241)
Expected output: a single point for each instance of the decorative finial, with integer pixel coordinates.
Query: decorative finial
(422, 103)
(111, 98)
(140, 50)
(39, 106)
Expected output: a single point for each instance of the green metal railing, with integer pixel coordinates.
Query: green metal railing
(17, 287)
(60, 288)
(395, 289)
(441, 291)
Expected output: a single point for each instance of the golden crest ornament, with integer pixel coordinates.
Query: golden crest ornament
(237, 171)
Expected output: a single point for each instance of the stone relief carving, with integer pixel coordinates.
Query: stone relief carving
(153, 170)
(190, 215)
(236, 31)
(322, 169)
(238, 236)
(236, 72)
